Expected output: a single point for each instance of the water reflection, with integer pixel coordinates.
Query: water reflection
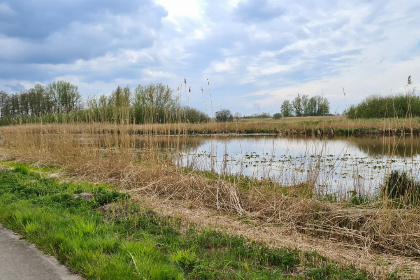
(388, 146)
(335, 165)
(163, 143)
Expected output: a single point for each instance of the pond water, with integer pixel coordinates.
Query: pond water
(335, 165)
(339, 165)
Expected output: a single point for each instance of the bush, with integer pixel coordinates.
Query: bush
(224, 115)
(192, 115)
(263, 115)
(277, 116)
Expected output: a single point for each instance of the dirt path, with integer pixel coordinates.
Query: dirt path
(379, 264)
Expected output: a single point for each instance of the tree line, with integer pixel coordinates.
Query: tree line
(304, 106)
(61, 102)
(300, 106)
(57, 97)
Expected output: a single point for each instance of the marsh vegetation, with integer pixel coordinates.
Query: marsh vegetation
(167, 167)
(307, 175)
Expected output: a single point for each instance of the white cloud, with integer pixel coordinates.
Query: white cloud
(268, 68)
(228, 65)
(155, 75)
(182, 8)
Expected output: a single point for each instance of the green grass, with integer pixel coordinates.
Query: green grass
(42, 169)
(108, 237)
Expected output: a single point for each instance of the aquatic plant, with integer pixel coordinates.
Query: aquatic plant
(402, 188)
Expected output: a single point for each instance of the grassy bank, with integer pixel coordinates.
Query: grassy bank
(100, 234)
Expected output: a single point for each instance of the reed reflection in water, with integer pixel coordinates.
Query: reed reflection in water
(333, 165)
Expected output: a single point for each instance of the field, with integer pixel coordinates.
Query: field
(379, 236)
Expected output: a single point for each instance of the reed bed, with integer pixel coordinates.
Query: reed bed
(339, 125)
(325, 125)
(115, 157)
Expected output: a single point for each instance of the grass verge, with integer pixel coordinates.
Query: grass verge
(100, 234)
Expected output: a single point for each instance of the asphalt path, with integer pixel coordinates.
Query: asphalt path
(20, 260)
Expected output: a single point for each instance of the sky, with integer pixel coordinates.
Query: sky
(247, 56)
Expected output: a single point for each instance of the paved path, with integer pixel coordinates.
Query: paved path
(20, 260)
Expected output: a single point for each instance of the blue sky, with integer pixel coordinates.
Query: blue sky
(247, 55)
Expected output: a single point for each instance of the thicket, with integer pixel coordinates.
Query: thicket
(304, 106)
(60, 102)
(392, 106)
(224, 115)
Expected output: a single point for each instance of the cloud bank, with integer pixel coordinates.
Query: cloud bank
(248, 55)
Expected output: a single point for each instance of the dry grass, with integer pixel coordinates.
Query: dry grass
(379, 264)
(116, 158)
(291, 125)
(299, 125)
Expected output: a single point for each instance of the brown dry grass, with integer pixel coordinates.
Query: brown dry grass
(379, 264)
(285, 125)
(116, 158)
(300, 125)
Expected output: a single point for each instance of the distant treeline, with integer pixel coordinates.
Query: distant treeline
(60, 102)
(304, 106)
(393, 106)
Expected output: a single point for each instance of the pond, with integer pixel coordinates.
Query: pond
(339, 165)
(334, 165)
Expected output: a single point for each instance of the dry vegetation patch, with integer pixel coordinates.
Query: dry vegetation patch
(380, 264)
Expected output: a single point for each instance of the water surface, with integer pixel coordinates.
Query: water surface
(334, 164)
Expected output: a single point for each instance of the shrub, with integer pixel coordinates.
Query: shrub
(277, 116)
(193, 115)
(224, 115)
(262, 115)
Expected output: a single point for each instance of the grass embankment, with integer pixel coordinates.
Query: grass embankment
(98, 233)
